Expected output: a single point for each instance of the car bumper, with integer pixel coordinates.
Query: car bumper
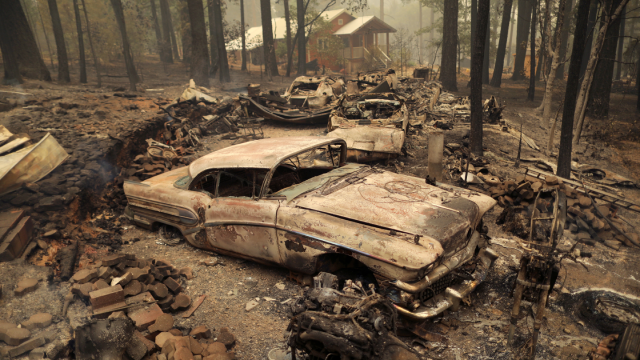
(450, 298)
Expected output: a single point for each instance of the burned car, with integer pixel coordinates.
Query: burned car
(374, 125)
(296, 202)
(308, 100)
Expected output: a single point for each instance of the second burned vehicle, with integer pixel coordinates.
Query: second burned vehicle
(296, 202)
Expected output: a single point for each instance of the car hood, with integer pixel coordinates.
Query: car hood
(401, 203)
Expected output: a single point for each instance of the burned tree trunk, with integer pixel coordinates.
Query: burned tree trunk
(11, 69)
(585, 87)
(63, 62)
(474, 25)
(477, 58)
(532, 62)
(199, 49)
(522, 34)
(213, 39)
(573, 81)
(287, 19)
(548, 95)
(496, 80)
(268, 44)
(593, 12)
(598, 104)
(243, 35)
(449, 45)
(620, 49)
(564, 39)
(302, 43)
(96, 63)
(223, 62)
(21, 41)
(172, 31)
(83, 64)
(487, 50)
(156, 28)
(126, 49)
(167, 31)
(185, 32)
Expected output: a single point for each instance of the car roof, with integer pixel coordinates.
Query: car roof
(262, 154)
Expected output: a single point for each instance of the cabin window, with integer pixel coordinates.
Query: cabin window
(340, 21)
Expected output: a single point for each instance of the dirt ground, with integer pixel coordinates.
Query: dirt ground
(477, 331)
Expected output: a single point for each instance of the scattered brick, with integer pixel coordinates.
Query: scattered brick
(159, 290)
(186, 272)
(106, 296)
(27, 346)
(196, 348)
(163, 323)
(200, 332)
(183, 353)
(181, 301)
(13, 335)
(122, 280)
(38, 321)
(175, 332)
(226, 337)
(117, 315)
(165, 304)
(173, 285)
(99, 285)
(133, 288)
(25, 286)
(111, 260)
(144, 317)
(162, 337)
(216, 348)
(84, 275)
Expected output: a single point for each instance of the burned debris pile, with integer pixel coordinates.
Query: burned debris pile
(356, 322)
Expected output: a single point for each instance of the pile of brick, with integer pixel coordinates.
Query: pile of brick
(122, 281)
(145, 166)
(582, 217)
(147, 292)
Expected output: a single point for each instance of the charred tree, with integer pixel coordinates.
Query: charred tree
(620, 49)
(610, 17)
(46, 37)
(63, 61)
(598, 104)
(268, 44)
(185, 32)
(223, 62)
(532, 59)
(510, 41)
(638, 82)
(593, 12)
(487, 51)
(564, 39)
(126, 49)
(96, 63)
(571, 92)
(21, 41)
(83, 64)
(243, 35)
(287, 19)
(302, 43)
(496, 80)
(449, 45)
(474, 24)
(553, 48)
(156, 28)
(522, 38)
(166, 52)
(477, 58)
(213, 39)
(199, 49)
(11, 69)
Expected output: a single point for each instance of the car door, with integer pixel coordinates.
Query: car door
(237, 221)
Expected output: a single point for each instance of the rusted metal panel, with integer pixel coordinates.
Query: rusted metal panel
(368, 143)
(262, 154)
(305, 234)
(401, 203)
(30, 164)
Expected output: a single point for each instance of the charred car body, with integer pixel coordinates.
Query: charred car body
(295, 202)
